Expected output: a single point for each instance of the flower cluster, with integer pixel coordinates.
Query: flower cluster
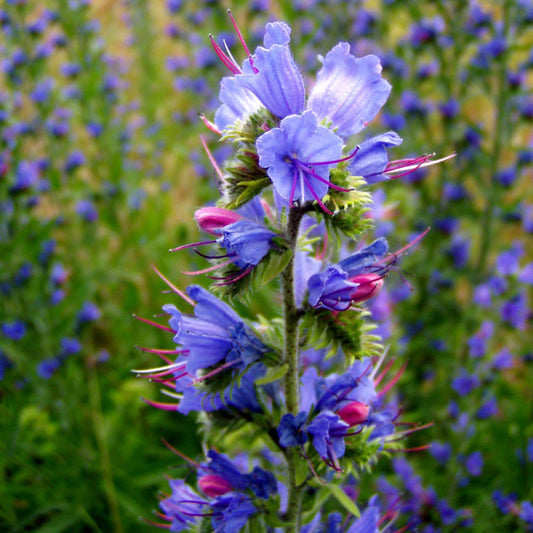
(269, 378)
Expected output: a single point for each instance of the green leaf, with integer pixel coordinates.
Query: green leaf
(273, 374)
(343, 499)
(302, 471)
(274, 264)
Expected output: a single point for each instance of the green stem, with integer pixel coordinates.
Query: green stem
(291, 358)
(107, 469)
(493, 189)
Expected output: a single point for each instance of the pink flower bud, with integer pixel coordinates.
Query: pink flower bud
(211, 219)
(369, 286)
(354, 413)
(214, 486)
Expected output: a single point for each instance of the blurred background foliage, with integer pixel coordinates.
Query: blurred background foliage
(101, 169)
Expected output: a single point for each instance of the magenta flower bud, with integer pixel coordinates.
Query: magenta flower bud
(369, 286)
(214, 486)
(354, 413)
(213, 219)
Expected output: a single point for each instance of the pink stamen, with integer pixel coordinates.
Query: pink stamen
(157, 524)
(212, 160)
(180, 454)
(406, 247)
(236, 278)
(191, 245)
(393, 381)
(209, 124)
(210, 269)
(146, 321)
(223, 57)
(383, 372)
(315, 195)
(337, 161)
(417, 449)
(243, 42)
(319, 178)
(162, 405)
(173, 287)
(215, 372)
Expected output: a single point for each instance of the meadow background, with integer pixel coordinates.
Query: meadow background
(101, 169)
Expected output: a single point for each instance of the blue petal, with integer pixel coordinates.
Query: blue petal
(210, 308)
(250, 241)
(349, 91)
(371, 159)
(299, 137)
(237, 103)
(277, 33)
(277, 82)
(356, 263)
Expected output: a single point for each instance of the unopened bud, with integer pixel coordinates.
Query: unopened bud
(354, 413)
(211, 219)
(214, 486)
(369, 286)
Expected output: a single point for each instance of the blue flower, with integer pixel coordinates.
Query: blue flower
(371, 159)
(183, 507)
(231, 512)
(291, 430)
(290, 153)
(14, 330)
(259, 481)
(246, 240)
(328, 431)
(355, 278)
(215, 334)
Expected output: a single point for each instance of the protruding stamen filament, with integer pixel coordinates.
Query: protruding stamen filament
(146, 321)
(315, 195)
(162, 405)
(191, 245)
(243, 42)
(210, 269)
(393, 381)
(337, 161)
(406, 166)
(209, 124)
(212, 160)
(173, 287)
(223, 57)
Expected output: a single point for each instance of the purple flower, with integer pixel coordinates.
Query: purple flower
(214, 334)
(87, 210)
(515, 311)
(231, 512)
(183, 507)
(14, 330)
(349, 91)
(259, 481)
(48, 367)
(474, 463)
(371, 159)
(291, 431)
(465, 383)
(298, 156)
(442, 451)
(507, 263)
(355, 278)
(328, 432)
(88, 313)
(246, 241)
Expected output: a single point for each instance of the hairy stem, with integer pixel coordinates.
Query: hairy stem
(290, 357)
